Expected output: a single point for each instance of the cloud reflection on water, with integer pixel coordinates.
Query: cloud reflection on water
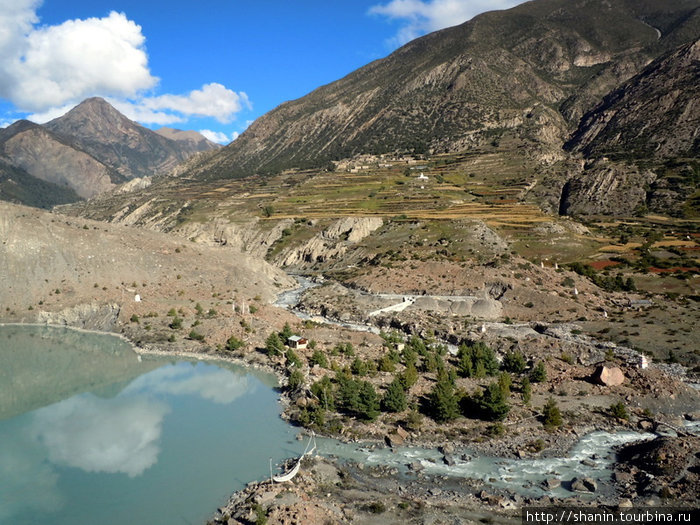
(122, 434)
(206, 381)
(119, 435)
(27, 482)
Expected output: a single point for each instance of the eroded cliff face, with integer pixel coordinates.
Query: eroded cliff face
(605, 188)
(331, 243)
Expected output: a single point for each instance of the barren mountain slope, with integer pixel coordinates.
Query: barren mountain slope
(531, 71)
(51, 262)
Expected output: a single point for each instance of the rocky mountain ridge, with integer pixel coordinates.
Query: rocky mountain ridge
(528, 73)
(655, 114)
(127, 147)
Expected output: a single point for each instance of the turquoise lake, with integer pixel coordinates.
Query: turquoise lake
(91, 433)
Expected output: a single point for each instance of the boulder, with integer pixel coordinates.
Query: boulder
(646, 425)
(449, 460)
(447, 448)
(608, 375)
(584, 485)
(551, 483)
(396, 438)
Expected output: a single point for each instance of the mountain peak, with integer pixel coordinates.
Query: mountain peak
(91, 112)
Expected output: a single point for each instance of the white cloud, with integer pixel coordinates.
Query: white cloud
(135, 110)
(213, 100)
(50, 114)
(118, 435)
(423, 16)
(218, 136)
(46, 70)
(48, 66)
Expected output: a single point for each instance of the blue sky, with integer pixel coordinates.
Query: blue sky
(213, 65)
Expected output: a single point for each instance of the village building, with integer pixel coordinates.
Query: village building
(296, 342)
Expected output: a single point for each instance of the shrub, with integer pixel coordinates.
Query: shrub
(176, 323)
(386, 364)
(538, 373)
(376, 507)
(233, 344)
(619, 410)
(134, 318)
(195, 336)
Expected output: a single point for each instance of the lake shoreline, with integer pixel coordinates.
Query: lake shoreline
(475, 496)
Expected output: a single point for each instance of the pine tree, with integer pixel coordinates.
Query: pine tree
(551, 416)
(348, 396)
(394, 399)
(286, 332)
(368, 407)
(323, 390)
(514, 362)
(504, 383)
(486, 355)
(273, 344)
(292, 359)
(493, 403)
(526, 390)
(444, 404)
(296, 379)
(465, 366)
(409, 376)
(318, 358)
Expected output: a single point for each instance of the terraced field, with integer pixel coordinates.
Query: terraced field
(488, 187)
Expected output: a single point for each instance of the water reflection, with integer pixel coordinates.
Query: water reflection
(209, 383)
(89, 431)
(118, 435)
(24, 474)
